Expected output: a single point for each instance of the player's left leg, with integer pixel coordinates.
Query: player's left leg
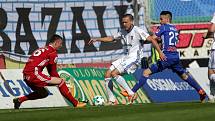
(212, 84)
(154, 68)
(186, 76)
(146, 73)
(109, 87)
(211, 76)
(142, 80)
(137, 86)
(39, 93)
(65, 91)
(192, 82)
(121, 81)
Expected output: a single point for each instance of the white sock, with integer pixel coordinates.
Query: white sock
(123, 83)
(110, 94)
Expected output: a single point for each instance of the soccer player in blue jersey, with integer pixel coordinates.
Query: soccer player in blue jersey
(169, 36)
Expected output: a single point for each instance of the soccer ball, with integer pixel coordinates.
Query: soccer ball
(98, 100)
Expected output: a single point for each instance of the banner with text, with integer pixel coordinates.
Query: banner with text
(85, 83)
(26, 25)
(13, 86)
(167, 86)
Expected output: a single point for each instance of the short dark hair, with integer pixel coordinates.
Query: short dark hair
(128, 15)
(167, 13)
(55, 37)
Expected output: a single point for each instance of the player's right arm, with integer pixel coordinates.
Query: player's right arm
(103, 39)
(116, 36)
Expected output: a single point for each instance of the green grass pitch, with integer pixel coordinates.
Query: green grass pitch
(189, 111)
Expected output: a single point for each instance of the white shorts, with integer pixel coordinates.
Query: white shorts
(211, 62)
(125, 64)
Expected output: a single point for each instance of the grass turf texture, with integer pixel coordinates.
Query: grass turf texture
(191, 111)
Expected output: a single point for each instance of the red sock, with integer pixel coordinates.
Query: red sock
(65, 92)
(23, 98)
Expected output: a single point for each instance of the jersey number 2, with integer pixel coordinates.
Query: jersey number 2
(173, 38)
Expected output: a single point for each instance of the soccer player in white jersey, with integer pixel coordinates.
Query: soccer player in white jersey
(211, 63)
(130, 36)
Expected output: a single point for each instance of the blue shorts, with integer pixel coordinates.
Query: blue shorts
(170, 63)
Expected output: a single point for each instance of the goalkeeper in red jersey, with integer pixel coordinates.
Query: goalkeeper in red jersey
(37, 81)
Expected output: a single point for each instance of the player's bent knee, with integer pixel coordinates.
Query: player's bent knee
(184, 76)
(114, 75)
(55, 81)
(108, 74)
(62, 82)
(147, 72)
(107, 79)
(43, 92)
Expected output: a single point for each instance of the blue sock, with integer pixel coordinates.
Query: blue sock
(193, 83)
(139, 84)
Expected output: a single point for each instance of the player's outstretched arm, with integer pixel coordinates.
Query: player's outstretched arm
(103, 39)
